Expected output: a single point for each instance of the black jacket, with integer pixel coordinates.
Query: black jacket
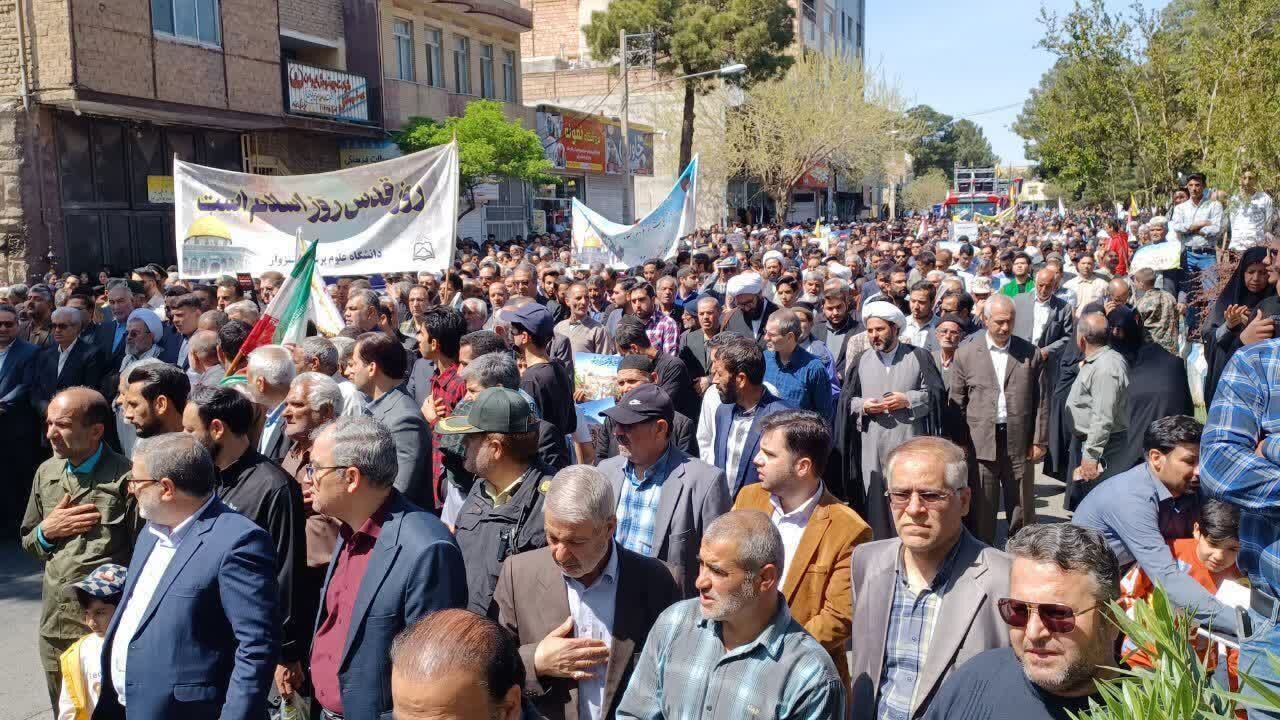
(489, 534)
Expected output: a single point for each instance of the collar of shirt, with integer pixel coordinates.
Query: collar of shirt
(274, 416)
(944, 571)
(172, 536)
(657, 472)
(230, 477)
(1162, 492)
(770, 638)
(504, 496)
(609, 574)
(87, 466)
(993, 347)
(63, 353)
(370, 529)
(799, 516)
(799, 358)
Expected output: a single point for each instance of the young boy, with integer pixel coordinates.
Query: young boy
(98, 595)
(1209, 557)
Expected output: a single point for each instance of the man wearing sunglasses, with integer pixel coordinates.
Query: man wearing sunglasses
(1062, 640)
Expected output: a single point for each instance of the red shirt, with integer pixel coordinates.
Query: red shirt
(448, 388)
(339, 602)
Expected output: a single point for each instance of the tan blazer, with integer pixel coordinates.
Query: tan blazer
(817, 585)
(531, 600)
(973, 388)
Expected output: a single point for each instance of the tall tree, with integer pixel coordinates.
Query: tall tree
(693, 36)
(944, 141)
(926, 190)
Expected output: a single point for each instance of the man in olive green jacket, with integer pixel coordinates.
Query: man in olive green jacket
(80, 515)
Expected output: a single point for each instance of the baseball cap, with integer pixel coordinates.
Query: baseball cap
(495, 410)
(641, 404)
(105, 581)
(535, 318)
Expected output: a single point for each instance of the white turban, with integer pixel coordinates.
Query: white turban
(836, 270)
(148, 317)
(886, 311)
(745, 284)
(774, 255)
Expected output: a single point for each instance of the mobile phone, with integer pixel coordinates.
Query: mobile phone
(1244, 624)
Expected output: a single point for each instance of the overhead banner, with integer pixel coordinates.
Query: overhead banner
(596, 239)
(394, 216)
(592, 143)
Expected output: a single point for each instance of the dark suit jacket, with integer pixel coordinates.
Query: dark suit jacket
(170, 342)
(17, 418)
(1059, 329)
(968, 622)
(14, 390)
(83, 367)
(209, 640)
(104, 337)
(415, 569)
(737, 323)
(531, 601)
(747, 473)
(694, 355)
(974, 389)
(398, 412)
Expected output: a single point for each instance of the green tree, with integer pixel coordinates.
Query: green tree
(490, 147)
(693, 36)
(945, 141)
(925, 190)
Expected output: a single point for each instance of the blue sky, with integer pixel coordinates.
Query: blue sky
(966, 58)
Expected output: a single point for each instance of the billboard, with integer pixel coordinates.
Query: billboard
(592, 143)
(328, 93)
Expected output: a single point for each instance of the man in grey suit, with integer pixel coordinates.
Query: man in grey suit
(581, 607)
(377, 369)
(998, 381)
(666, 499)
(935, 587)
(1041, 317)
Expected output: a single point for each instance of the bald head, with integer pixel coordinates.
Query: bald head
(1093, 330)
(1119, 290)
(86, 404)
(451, 664)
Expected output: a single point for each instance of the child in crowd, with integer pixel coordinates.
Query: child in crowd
(1209, 557)
(98, 595)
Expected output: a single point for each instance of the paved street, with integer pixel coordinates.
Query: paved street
(22, 686)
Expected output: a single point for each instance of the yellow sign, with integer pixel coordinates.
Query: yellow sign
(160, 189)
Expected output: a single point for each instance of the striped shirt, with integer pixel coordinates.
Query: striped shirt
(685, 672)
(638, 505)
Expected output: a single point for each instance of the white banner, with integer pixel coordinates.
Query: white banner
(596, 239)
(393, 216)
(1159, 256)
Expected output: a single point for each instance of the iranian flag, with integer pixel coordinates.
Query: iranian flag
(301, 298)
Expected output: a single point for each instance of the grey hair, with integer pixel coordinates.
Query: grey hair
(1072, 549)
(580, 493)
(67, 311)
(322, 350)
(955, 469)
(204, 344)
(370, 297)
(246, 309)
(755, 537)
(1160, 220)
(365, 444)
(708, 298)
(997, 299)
(493, 370)
(321, 391)
(814, 274)
(273, 364)
(477, 306)
(179, 457)
(20, 291)
(345, 347)
(1094, 329)
(786, 322)
(116, 284)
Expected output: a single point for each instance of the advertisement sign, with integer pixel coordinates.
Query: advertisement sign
(361, 151)
(597, 239)
(160, 189)
(592, 143)
(329, 93)
(394, 216)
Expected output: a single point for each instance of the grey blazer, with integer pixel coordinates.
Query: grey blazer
(402, 416)
(693, 495)
(968, 621)
(1059, 329)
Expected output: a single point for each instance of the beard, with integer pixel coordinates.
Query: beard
(1065, 679)
(149, 428)
(732, 603)
(728, 393)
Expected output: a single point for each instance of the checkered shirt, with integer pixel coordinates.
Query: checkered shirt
(663, 332)
(638, 505)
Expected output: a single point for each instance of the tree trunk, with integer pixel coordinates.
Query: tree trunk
(471, 203)
(686, 128)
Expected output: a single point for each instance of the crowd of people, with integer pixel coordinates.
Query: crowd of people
(813, 497)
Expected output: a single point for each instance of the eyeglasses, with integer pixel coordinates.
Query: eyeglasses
(930, 498)
(136, 481)
(1055, 617)
(61, 326)
(312, 469)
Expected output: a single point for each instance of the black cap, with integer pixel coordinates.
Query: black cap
(641, 404)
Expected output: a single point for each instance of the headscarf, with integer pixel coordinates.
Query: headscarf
(886, 311)
(1235, 292)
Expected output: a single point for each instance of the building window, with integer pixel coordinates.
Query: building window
(403, 32)
(435, 58)
(189, 19)
(486, 71)
(462, 65)
(509, 75)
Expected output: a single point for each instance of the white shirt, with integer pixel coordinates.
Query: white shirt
(593, 610)
(1039, 318)
(144, 588)
(90, 673)
(354, 403)
(64, 354)
(735, 443)
(1000, 361)
(706, 434)
(920, 333)
(791, 526)
(1188, 213)
(1250, 220)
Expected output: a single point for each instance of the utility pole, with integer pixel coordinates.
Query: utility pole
(627, 195)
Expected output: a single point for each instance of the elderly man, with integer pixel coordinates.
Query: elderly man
(321, 355)
(475, 312)
(377, 370)
(750, 310)
(67, 362)
(998, 381)
(203, 368)
(892, 394)
(580, 647)
(142, 338)
(694, 350)
(394, 564)
(737, 648)
(927, 597)
(200, 601)
(111, 332)
(798, 377)
(269, 371)
(361, 311)
(583, 333)
(1157, 309)
(1098, 407)
(1041, 317)
(818, 532)
(79, 516)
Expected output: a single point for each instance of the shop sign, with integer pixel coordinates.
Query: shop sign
(592, 143)
(329, 93)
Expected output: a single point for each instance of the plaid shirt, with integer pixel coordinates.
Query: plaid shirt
(911, 622)
(803, 382)
(663, 332)
(685, 673)
(448, 388)
(638, 505)
(1235, 468)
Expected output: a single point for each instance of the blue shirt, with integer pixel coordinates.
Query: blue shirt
(911, 622)
(802, 382)
(638, 505)
(87, 466)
